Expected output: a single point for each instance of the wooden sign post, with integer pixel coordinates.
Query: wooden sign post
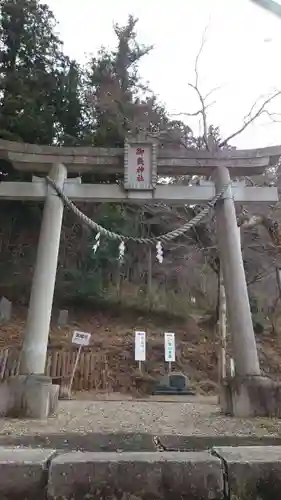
(140, 348)
(170, 351)
(81, 339)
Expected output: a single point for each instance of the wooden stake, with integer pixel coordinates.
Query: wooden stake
(4, 363)
(74, 369)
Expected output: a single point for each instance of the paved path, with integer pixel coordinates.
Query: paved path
(148, 417)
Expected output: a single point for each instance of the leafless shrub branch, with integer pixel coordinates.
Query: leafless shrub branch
(212, 91)
(196, 113)
(249, 118)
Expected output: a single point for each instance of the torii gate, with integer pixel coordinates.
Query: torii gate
(140, 186)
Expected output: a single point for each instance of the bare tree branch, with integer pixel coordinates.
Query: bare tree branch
(196, 87)
(259, 277)
(249, 119)
(203, 40)
(272, 116)
(203, 113)
(215, 89)
(249, 180)
(196, 113)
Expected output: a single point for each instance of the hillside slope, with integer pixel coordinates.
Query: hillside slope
(112, 343)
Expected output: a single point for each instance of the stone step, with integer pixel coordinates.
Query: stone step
(222, 473)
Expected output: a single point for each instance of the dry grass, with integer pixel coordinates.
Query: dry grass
(112, 340)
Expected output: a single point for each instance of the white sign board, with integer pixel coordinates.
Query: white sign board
(139, 165)
(170, 351)
(81, 338)
(140, 346)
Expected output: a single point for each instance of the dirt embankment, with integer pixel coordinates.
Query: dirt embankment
(112, 343)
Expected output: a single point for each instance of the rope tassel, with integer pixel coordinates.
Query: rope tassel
(122, 248)
(97, 243)
(159, 252)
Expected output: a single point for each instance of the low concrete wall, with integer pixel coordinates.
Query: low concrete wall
(252, 472)
(24, 473)
(194, 475)
(240, 473)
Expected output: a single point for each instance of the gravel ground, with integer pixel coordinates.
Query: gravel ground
(151, 417)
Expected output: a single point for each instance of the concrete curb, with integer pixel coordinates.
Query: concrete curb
(159, 475)
(24, 472)
(251, 472)
(223, 473)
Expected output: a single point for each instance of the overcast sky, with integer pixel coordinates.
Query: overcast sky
(242, 53)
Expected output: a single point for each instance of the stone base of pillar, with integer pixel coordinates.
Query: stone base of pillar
(28, 396)
(254, 396)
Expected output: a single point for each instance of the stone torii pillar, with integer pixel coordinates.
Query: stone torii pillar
(35, 341)
(237, 300)
(247, 394)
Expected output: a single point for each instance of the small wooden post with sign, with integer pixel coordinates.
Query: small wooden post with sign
(170, 351)
(81, 339)
(140, 348)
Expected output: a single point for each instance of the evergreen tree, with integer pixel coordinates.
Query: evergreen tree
(120, 101)
(31, 65)
(69, 108)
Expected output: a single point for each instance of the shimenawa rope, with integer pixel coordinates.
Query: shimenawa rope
(164, 238)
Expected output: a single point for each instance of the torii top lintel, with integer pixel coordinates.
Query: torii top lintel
(170, 160)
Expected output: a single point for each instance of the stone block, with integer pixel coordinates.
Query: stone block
(145, 475)
(23, 472)
(225, 398)
(251, 397)
(6, 399)
(5, 310)
(16, 386)
(175, 383)
(36, 398)
(192, 475)
(253, 472)
(54, 398)
(63, 318)
(31, 396)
